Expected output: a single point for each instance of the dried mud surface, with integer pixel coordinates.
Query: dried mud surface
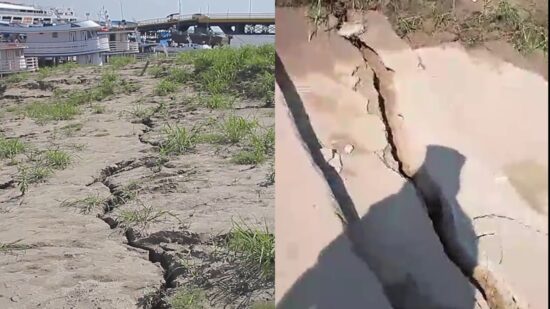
(59, 255)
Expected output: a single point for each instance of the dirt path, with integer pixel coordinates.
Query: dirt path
(124, 224)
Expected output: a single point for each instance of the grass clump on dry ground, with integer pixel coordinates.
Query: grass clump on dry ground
(259, 147)
(47, 71)
(86, 205)
(236, 128)
(66, 106)
(13, 246)
(142, 217)
(120, 62)
(256, 142)
(497, 20)
(16, 78)
(38, 164)
(165, 87)
(57, 159)
(9, 148)
(224, 73)
(178, 140)
(188, 298)
(255, 248)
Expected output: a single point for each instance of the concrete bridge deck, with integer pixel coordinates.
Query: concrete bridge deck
(230, 23)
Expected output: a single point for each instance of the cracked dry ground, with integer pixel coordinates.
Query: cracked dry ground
(398, 149)
(121, 227)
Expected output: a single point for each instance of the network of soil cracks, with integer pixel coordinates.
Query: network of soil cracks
(94, 212)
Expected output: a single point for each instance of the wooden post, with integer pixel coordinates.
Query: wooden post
(144, 68)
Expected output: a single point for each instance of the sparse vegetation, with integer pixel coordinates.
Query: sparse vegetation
(47, 71)
(31, 175)
(87, 204)
(51, 111)
(237, 128)
(120, 62)
(157, 71)
(127, 193)
(110, 164)
(188, 298)
(255, 248)
(246, 71)
(178, 140)
(165, 87)
(9, 148)
(141, 218)
(499, 19)
(13, 246)
(98, 109)
(57, 159)
(263, 305)
(218, 101)
(179, 75)
(71, 129)
(260, 146)
(16, 78)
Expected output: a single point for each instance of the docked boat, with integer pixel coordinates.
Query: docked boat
(13, 59)
(77, 41)
(121, 42)
(29, 15)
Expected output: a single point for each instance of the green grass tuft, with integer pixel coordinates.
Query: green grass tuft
(120, 62)
(178, 140)
(165, 87)
(236, 129)
(57, 159)
(16, 78)
(260, 147)
(255, 248)
(187, 298)
(218, 101)
(87, 204)
(9, 148)
(51, 111)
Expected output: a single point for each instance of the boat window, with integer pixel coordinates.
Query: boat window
(54, 34)
(90, 36)
(6, 18)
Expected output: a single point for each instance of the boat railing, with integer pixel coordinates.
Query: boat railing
(123, 47)
(99, 44)
(208, 16)
(32, 63)
(14, 65)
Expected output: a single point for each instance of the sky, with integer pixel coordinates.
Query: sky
(146, 9)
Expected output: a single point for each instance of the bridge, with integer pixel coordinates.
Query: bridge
(230, 23)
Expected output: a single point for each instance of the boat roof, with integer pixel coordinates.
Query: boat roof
(4, 46)
(10, 6)
(81, 25)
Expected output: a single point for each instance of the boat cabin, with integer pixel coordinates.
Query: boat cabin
(13, 60)
(120, 43)
(78, 40)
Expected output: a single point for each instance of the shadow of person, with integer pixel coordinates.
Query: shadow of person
(402, 262)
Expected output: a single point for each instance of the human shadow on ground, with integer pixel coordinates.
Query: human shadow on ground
(406, 240)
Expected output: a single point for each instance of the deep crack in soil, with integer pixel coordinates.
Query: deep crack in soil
(176, 210)
(428, 190)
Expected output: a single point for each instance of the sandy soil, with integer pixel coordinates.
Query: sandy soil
(435, 200)
(63, 258)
